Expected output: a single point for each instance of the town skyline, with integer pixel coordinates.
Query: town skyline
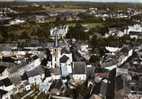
(119, 1)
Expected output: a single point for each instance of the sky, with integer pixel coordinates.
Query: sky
(131, 1)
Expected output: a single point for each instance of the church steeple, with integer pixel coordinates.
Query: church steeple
(57, 33)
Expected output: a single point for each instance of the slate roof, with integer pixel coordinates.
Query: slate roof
(34, 72)
(56, 84)
(79, 68)
(5, 82)
(129, 64)
(24, 76)
(7, 59)
(2, 92)
(119, 83)
(35, 57)
(2, 68)
(103, 88)
(1, 83)
(64, 59)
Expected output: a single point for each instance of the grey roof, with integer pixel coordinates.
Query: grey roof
(79, 68)
(2, 68)
(10, 46)
(6, 82)
(2, 92)
(103, 89)
(34, 72)
(64, 59)
(15, 77)
(13, 67)
(90, 71)
(56, 84)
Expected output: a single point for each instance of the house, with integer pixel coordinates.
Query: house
(35, 75)
(79, 71)
(2, 69)
(41, 18)
(5, 82)
(65, 64)
(135, 31)
(84, 51)
(6, 88)
(103, 89)
(90, 71)
(4, 72)
(31, 66)
(84, 48)
(9, 90)
(24, 76)
(133, 63)
(75, 53)
(16, 21)
(3, 94)
(115, 32)
(112, 49)
(35, 79)
(15, 77)
(56, 87)
(52, 14)
(109, 60)
(140, 84)
(44, 87)
(8, 59)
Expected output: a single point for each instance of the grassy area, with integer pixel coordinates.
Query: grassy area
(19, 95)
(42, 96)
(93, 25)
(89, 25)
(61, 9)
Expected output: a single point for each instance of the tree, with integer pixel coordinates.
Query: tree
(78, 33)
(94, 59)
(24, 35)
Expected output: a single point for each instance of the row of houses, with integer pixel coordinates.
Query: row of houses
(109, 13)
(134, 31)
(33, 69)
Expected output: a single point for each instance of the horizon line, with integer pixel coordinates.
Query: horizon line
(91, 1)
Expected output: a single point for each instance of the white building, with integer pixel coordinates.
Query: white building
(135, 31)
(115, 32)
(16, 21)
(35, 79)
(66, 64)
(9, 90)
(84, 51)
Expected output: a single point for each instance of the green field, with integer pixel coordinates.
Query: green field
(88, 25)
